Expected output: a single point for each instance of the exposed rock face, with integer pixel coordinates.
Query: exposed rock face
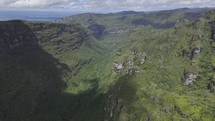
(190, 53)
(17, 34)
(134, 52)
(118, 66)
(130, 65)
(196, 50)
(189, 79)
(142, 60)
(65, 37)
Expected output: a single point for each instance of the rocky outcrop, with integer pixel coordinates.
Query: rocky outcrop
(134, 57)
(134, 52)
(193, 50)
(197, 50)
(118, 66)
(191, 53)
(131, 67)
(142, 60)
(189, 79)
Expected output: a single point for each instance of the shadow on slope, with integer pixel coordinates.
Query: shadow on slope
(32, 87)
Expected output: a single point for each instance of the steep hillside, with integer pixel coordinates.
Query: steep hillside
(33, 80)
(170, 68)
(102, 24)
(126, 66)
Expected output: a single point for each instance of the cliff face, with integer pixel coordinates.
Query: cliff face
(14, 36)
(63, 37)
(31, 79)
(28, 74)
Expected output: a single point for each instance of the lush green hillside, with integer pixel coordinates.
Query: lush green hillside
(101, 24)
(128, 66)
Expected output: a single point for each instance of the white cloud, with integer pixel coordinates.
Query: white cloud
(35, 3)
(107, 4)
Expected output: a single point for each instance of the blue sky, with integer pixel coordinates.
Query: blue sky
(142, 5)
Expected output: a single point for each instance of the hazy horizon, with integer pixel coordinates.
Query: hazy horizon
(98, 5)
(33, 14)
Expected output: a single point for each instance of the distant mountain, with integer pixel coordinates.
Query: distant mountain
(129, 12)
(34, 15)
(122, 21)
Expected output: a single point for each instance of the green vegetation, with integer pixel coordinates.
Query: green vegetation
(126, 66)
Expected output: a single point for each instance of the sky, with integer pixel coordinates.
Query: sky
(142, 5)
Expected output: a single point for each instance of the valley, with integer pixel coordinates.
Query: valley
(126, 66)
